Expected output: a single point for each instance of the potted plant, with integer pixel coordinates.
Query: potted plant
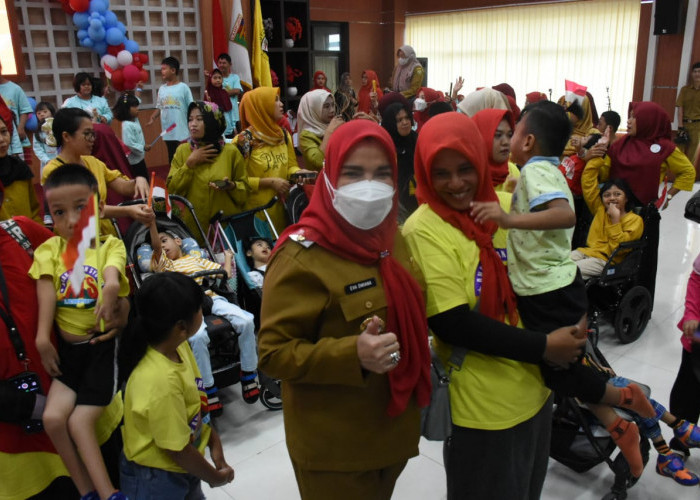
(294, 31)
(292, 74)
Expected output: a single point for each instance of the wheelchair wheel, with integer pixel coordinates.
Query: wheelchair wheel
(269, 400)
(633, 314)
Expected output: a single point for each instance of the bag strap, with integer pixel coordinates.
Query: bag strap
(13, 229)
(15, 338)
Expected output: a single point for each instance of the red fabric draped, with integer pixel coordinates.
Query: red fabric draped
(632, 158)
(321, 224)
(458, 132)
(364, 103)
(487, 121)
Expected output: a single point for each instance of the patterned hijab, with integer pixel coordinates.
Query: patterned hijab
(214, 125)
(485, 98)
(404, 73)
(257, 114)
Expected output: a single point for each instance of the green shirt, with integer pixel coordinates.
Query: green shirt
(539, 261)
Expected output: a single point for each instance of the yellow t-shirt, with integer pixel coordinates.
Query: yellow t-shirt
(74, 314)
(104, 176)
(163, 409)
(487, 392)
(513, 171)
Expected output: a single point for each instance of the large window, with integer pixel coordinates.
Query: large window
(534, 48)
(329, 50)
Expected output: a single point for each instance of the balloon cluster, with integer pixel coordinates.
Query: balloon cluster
(100, 30)
(32, 122)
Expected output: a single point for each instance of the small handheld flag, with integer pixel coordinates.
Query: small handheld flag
(374, 86)
(159, 189)
(83, 233)
(169, 129)
(575, 92)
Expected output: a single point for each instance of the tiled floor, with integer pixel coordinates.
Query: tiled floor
(253, 436)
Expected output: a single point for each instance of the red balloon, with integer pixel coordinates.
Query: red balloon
(117, 79)
(79, 5)
(143, 57)
(144, 76)
(113, 50)
(138, 64)
(66, 7)
(136, 58)
(131, 73)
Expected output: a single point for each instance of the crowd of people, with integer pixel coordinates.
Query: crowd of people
(457, 223)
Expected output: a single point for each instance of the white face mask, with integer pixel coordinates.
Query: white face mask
(403, 61)
(363, 204)
(420, 104)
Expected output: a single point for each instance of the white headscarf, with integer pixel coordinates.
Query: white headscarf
(310, 110)
(486, 98)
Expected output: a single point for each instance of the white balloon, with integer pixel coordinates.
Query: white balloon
(124, 57)
(109, 60)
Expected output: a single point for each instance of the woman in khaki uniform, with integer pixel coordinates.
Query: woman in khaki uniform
(343, 325)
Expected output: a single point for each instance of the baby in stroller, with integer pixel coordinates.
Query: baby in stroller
(258, 252)
(168, 256)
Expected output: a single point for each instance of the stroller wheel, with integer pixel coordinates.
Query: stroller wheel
(614, 496)
(270, 400)
(633, 314)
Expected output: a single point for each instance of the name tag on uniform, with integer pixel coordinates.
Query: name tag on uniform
(362, 285)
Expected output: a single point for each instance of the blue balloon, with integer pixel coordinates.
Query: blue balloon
(81, 20)
(82, 34)
(98, 6)
(96, 34)
(95, 15)
(110, 19)
(87, 42)
(131, 46)
(32, 103)
(100, 48)
(95, 24)
(32, 123)
(121, 27)
(114, 36)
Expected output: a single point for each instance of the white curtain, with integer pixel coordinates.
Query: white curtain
(534, 48)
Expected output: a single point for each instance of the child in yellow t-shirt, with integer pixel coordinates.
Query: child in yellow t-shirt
(83, 366)
(165, 427)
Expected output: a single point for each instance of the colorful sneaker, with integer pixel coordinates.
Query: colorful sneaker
(250, 387)
(688, 434)
(90, 496)
(672, 465)
(118, 495)
(216, 408)
(677, 445)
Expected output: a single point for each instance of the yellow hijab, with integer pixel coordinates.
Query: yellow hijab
(257, 111)
(583, 128)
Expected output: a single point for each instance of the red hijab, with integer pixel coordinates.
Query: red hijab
(487, 120)
(431, 96)
(316, 86)
(364, 103)
(534, 97)
(321, 224)
(638, 158)
(458, 132)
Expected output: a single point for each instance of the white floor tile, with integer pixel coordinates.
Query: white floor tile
(254, 443)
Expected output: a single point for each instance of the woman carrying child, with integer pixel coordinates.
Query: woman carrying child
(353, 353)
(127, 111)
(166, 424)
(205, 170)
(614, 222)
(16, 178)
(216, 93)
(44, 144)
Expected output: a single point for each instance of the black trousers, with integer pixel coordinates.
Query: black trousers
(172, 147)
(685, 394)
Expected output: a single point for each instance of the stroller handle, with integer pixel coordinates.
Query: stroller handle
(242, 215)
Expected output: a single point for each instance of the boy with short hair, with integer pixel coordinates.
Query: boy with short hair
(168, 256)
(550, 290)
(232, 86)
(83, 367)
(174, 97)
(258, 255)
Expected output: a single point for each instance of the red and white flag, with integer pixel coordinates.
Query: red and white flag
(575, 92)
(84, 232)
(159, 189)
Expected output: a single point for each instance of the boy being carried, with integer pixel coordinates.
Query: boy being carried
(550, 290)
(168, 256)
(83, 366)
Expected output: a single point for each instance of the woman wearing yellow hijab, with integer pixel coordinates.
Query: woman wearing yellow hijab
(582, 129)
(267, 149)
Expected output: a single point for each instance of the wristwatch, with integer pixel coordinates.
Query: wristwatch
(669, 197)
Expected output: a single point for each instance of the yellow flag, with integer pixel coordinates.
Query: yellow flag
(260, 61)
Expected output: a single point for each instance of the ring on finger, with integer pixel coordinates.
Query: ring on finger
(395, 357)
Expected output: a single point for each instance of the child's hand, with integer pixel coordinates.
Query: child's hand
(614, 213)
(222, 476)
(483, 211)
(228, 254)
(113, 327)
(49, 356)
(510, 184)
(607, 135)
(147, 147)
(689, 329)
(142, 213)
(107, 309)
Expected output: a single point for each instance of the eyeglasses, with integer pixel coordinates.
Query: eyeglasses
(89, 135)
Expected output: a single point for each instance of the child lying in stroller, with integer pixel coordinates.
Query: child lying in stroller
(168, 256)
(258, 252)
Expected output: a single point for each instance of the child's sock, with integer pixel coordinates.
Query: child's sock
(250, 387)
(687, 433)
(633, 398)
(216, 408)
(626, 437)
(676, 423)
(662, 447)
